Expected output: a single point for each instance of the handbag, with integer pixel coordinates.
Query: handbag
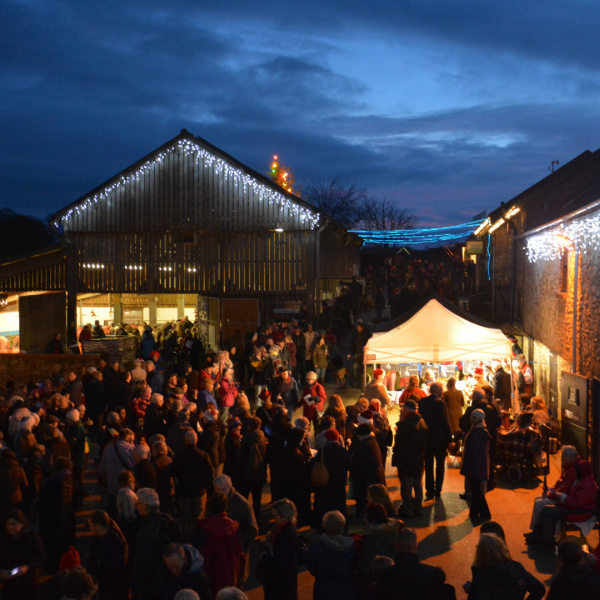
(320, 475)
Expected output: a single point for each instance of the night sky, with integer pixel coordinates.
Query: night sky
(446, 107)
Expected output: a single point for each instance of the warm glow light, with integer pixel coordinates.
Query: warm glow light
(497, 224)
(482, 227)
(512, 212)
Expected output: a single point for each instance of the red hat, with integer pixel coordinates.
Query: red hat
(478, 371)
(264, 394)
(373, 407)
(155, 355)
(332, 435)
(378, 373)
(70, 559)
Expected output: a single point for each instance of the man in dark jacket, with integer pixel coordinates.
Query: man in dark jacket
(476, 465)
(409, 578)
(358, 340)
(183, 565)
(158, 529)
(194, 472)
(366, 465)
(435, 412)
(503, 386)
(408, 456)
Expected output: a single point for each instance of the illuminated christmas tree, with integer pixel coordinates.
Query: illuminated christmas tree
(283, 176)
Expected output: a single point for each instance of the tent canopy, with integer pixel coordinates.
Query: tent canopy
(437, 334)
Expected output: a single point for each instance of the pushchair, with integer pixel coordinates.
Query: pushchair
(519, 453)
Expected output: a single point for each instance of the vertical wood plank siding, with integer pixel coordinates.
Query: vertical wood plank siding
(183, 226)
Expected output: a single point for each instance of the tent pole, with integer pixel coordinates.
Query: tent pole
(364, 381)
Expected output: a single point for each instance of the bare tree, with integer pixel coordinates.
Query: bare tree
(336, 199)
(383, 215)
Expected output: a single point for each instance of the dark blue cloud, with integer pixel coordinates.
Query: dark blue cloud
(448, 108)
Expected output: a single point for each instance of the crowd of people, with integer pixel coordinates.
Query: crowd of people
(186, 453)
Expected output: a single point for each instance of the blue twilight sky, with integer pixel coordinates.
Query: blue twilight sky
(448, 108)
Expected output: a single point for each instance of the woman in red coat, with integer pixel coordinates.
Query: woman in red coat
(313, 399)
(218, 539)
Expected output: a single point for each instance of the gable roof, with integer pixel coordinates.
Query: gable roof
(193, 145)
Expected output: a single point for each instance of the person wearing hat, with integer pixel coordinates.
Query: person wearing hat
(376, 389)
(75, 436)
(408, 456)
(476, 465)
(285, 390)
(312, 399)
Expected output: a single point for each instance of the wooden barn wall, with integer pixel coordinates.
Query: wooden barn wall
(183, 194)
(215, 263)
(338, 259)
(43, 273)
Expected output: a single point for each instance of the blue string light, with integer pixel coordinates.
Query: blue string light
(405, 237)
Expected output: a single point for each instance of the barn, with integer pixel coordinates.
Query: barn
(186, 229)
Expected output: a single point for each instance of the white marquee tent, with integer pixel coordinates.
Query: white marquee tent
(436, 334)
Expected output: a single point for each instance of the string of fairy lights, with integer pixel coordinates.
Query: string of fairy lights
(581, 233)
(412, 237)
(261, 191)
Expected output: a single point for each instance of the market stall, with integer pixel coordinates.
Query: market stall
(438, 333)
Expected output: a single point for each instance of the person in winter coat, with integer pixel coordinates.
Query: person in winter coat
(580, 498)
(233, 441)
(165, 484)
(320, 358)
(383, 430)
(13, 482)
(332, 560)
(212, 439)
(413, 578)
(476, 465)
(312, 399)
(57, 513)
(147, 345)
(218, 539)
(157, 530)
(376, 389)
(337, 410)
(497, 577)
(278, 563)
(366, 465)
(310, 340)
(294, 475)
(408, 456)
(240, 510)
(332, 497)
(252, 464)
(284, 390)
(107, 558)
(435, 412)
(193, 469)
(21, 554)
(455, 401)
(183, 571)
(227, 392)
(576, 579)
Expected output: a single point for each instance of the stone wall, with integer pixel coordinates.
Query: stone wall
(548, 313)
(34, 368)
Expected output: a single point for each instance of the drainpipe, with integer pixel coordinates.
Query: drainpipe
(575, 309)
